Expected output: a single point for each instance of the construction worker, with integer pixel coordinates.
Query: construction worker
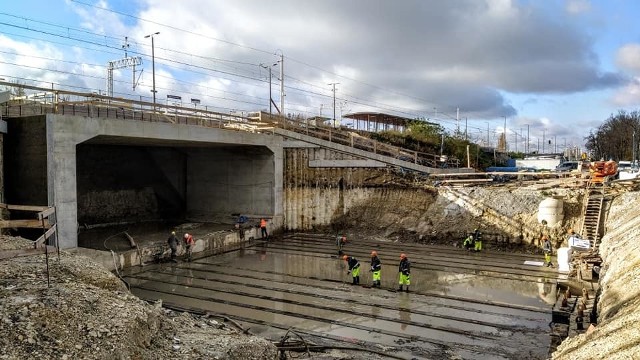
(477, 240)
(546, 247)
(468, 242)
(376, 266)
(263, 228)
(189, 243)
(340, 242)
(173, 245)
(405, 272)
(354, 268)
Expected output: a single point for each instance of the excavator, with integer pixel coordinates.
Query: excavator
(601, 171)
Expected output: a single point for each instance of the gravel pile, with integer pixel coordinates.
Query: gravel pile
(87, 313)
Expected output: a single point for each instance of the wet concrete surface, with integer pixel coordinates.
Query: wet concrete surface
(466, 305)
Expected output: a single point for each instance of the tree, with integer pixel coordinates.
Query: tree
(614, 139)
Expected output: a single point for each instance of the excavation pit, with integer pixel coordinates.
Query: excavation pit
(471, 305)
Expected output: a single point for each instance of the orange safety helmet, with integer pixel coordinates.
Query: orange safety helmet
(374, 253)
(403, 256)
(345, 258)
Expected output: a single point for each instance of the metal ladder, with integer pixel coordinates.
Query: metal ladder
(593, 216)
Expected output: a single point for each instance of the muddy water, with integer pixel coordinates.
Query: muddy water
(483, 313)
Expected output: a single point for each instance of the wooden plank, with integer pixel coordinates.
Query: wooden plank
(26, 207)
(41, 240)
(23, 224)
(46, 213)
(10, 254)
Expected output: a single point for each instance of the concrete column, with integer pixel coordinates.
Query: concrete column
(61, 178)
(278, 192)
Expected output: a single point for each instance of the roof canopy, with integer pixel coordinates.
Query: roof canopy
(382, 118)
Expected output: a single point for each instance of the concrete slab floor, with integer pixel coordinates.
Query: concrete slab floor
(469, 305)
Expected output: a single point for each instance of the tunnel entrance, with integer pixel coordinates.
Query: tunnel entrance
(148, 188)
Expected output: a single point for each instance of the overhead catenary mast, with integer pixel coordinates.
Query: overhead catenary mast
(122, 63)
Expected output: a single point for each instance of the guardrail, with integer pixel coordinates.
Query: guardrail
(96, 105)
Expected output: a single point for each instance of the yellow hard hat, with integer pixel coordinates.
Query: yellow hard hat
(173, 233)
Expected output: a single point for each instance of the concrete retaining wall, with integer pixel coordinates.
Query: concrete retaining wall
(211, 244)
(26, 156)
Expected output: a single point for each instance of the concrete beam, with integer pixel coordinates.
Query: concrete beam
(346, 164)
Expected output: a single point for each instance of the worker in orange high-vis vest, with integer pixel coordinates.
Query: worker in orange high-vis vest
(189, 244)
(263, 228)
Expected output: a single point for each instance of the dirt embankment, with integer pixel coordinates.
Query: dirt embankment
(617, 335)
(507, 216)
(87, 313)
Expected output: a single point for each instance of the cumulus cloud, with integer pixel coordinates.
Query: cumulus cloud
(448, 54)
(407, 57)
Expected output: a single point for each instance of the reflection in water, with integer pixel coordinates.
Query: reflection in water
(547, 291)
(404, 315)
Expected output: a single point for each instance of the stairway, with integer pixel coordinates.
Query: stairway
(593, 216)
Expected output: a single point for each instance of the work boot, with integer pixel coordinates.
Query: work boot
(357, 280)
(353, 282)
(407, 289)
(400, 288)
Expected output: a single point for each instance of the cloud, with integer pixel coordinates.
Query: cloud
(628, 58)
(629, 95)
(404, 58)
(578, 6)
(448, 54)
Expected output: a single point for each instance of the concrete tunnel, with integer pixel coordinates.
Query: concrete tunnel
(108, 171)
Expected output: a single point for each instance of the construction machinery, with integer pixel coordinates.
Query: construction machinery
(601, 171)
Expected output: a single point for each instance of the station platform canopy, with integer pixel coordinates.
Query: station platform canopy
(375, 121)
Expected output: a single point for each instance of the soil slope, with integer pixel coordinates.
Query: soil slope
(88, 313)
(617, 335)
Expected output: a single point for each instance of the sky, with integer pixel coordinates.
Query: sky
(558, 68)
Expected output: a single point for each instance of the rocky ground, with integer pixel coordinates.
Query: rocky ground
(88, 313)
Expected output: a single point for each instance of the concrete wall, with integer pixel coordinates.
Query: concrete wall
(26, 159)
(317, 196)
(64, 133)
(119, 183)
(224, 181)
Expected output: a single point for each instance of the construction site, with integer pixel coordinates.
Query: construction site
(92, 186)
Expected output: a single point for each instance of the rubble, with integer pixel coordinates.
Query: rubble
(88, 313)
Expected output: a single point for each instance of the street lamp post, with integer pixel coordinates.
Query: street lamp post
(153, 67)
(270, 96)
